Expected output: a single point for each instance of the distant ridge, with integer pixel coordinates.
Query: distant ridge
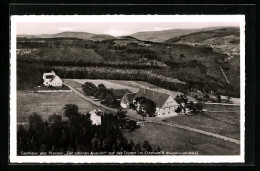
(80, 35)
(208, 35)
(160, 36)
(153, 36)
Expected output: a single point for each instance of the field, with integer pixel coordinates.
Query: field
(223, 123)
(47, 104)
(219, 107)
(118, 85)
(108, 84)
(179, 140)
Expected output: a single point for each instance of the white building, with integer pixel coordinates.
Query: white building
(51, 79)
(165, 103)
(95, 117)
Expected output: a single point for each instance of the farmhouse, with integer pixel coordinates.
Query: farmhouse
(95, 117)
(127, 99)
(51, 79)
(165, 103)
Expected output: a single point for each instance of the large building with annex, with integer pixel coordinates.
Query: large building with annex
(164, 101)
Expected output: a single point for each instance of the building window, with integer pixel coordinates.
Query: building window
(169, 112)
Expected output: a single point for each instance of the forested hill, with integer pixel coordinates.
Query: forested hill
(130, 58)
(195, 58)
(224, 40)
(160, 36)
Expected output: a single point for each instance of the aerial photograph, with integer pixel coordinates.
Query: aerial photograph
(128, 88)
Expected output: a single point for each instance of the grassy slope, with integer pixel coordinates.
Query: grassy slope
(47, 104)
(230, 33)
(224, 40)
(179, 140)
(160, 36)
(223, 123)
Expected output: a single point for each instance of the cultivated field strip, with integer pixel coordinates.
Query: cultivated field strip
(108, 84)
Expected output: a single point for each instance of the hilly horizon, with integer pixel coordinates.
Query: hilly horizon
(153, 36)
(161, 36)
(70, 34)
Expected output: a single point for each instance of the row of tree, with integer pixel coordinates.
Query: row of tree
(26, 79)
(99, 92)
(120, 74)
(185, 105)
(76, 133)
(81, 63)
(190, 107)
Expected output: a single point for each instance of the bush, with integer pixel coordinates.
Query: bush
(89, 89)
(147, 107)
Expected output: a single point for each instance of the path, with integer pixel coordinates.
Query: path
(89, 99)
(160, 122)
(198, 131)
(224, 74)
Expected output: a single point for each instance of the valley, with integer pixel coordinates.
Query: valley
(196, 66)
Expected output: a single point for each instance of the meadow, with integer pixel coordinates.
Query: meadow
(179, 140)
(107, 83)
(223, 123)
(46, 104)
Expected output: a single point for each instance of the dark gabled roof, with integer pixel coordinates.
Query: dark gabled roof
(158, 97)
(99, 113)
(53, 78)
(49, 76)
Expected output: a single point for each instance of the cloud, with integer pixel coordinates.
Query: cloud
(115, 32)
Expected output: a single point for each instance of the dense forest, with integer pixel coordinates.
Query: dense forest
(162, 64)
(77, 134)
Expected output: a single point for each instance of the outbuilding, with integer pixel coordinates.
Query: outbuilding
(51, 79)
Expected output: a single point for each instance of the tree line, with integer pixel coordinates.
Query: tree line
(100, 92)
(76, 133)
(27, 80)
(81, 63)
(120, 74)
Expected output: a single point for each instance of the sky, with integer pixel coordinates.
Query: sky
(111, 28)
